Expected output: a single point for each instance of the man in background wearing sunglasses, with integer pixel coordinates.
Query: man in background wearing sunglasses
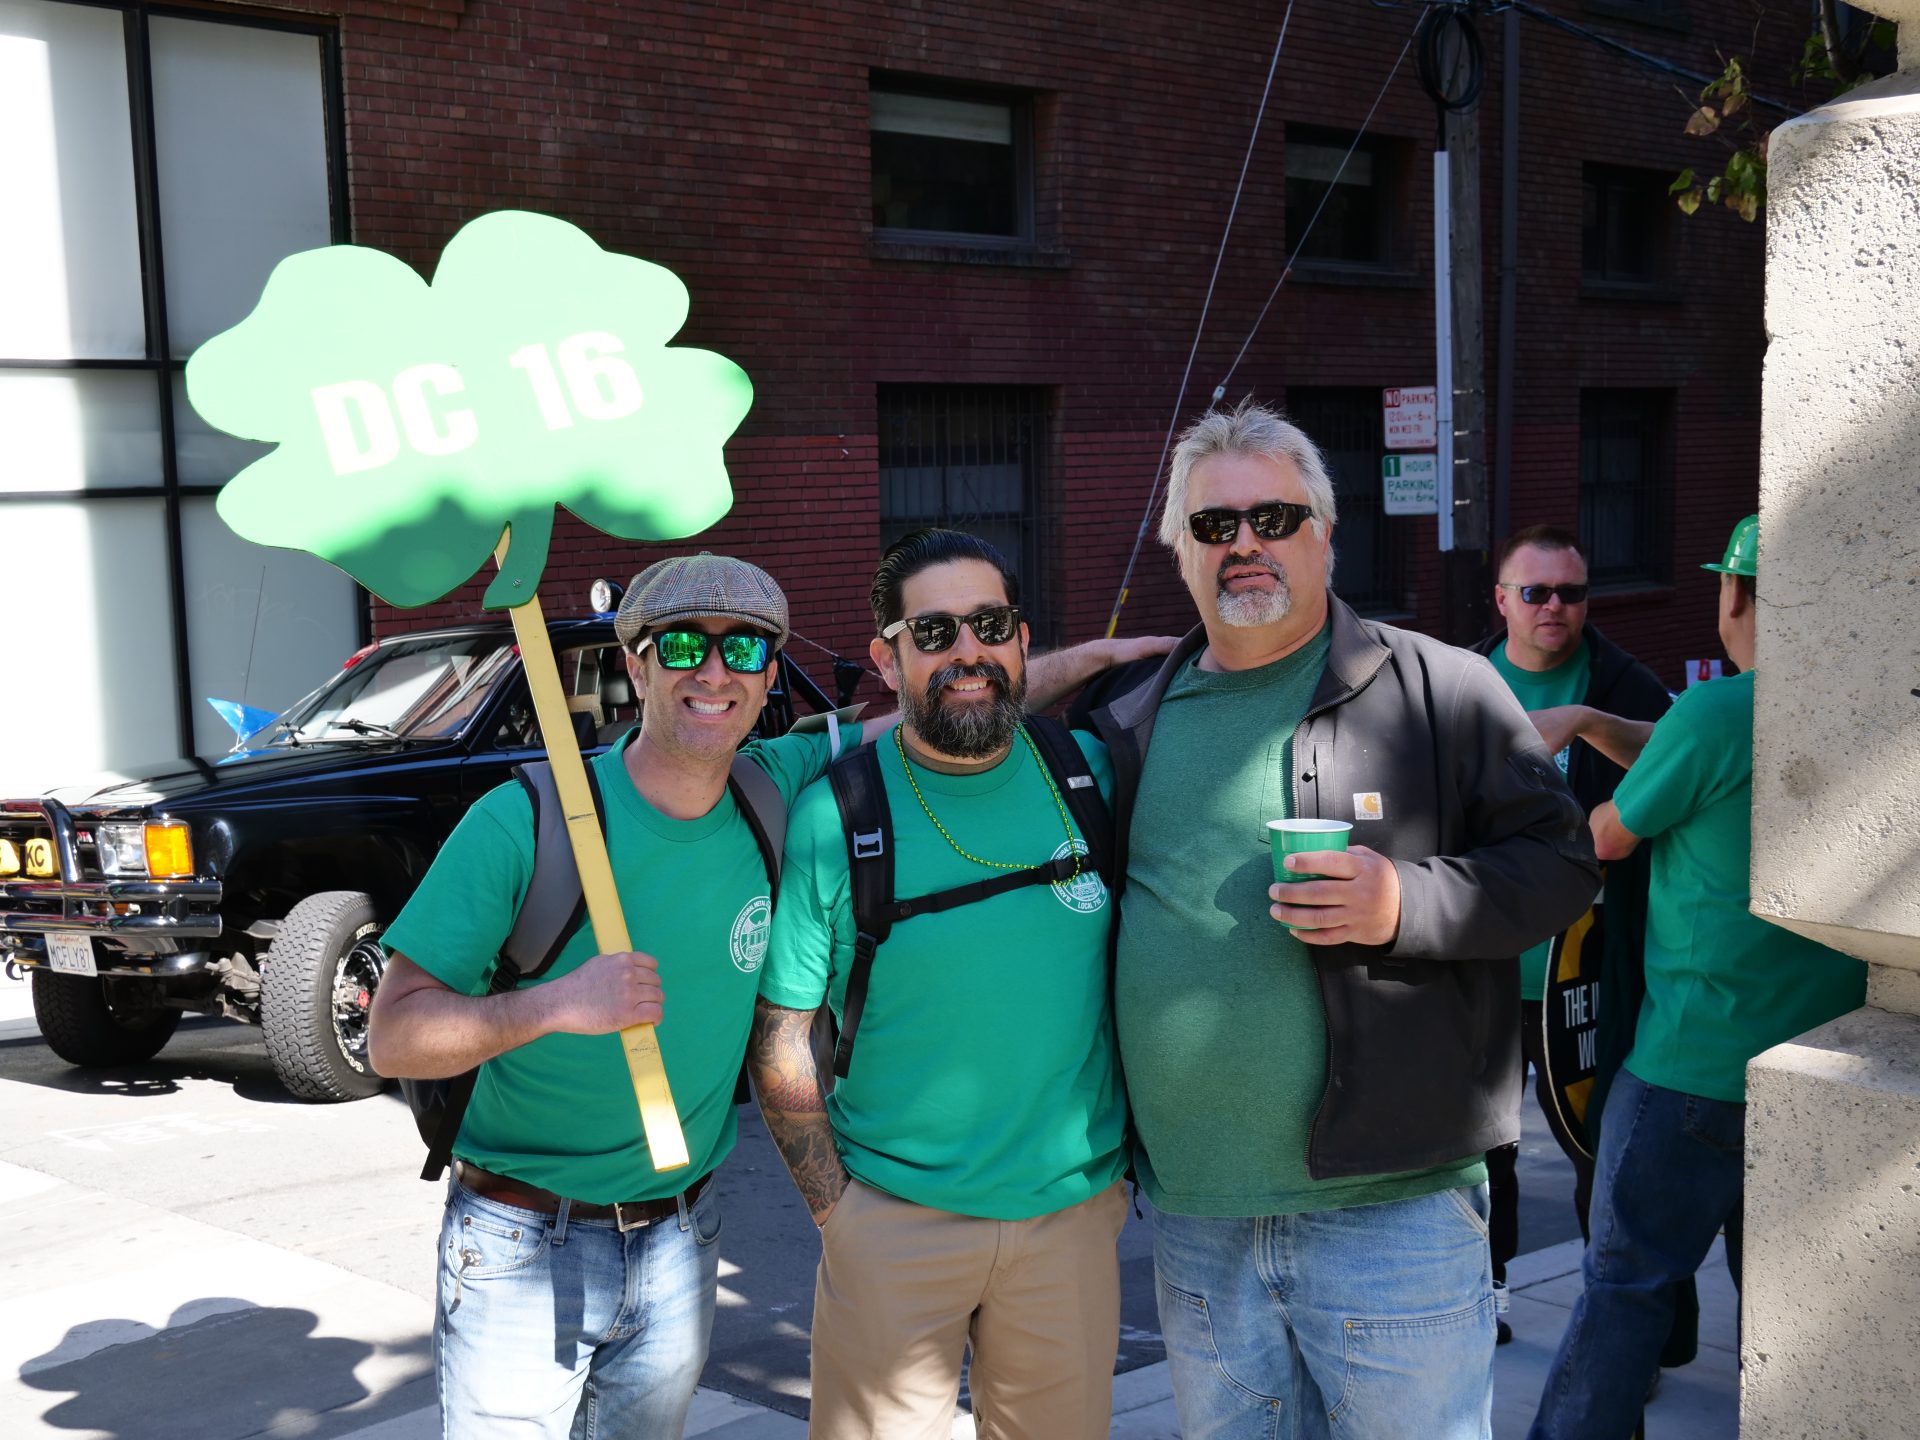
(965, 1170)
(1317, 1068)
(1550, 657)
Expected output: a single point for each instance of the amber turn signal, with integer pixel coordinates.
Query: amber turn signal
(169, 850)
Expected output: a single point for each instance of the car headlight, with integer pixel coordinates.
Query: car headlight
(162, 849)
(122, 849)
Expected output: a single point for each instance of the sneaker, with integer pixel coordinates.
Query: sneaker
(1502, 1303)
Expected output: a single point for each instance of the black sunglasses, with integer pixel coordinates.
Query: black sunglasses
(1540, 594)
(991, 625)
(1272, 520)
(744, 654)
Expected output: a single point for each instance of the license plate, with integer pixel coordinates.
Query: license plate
(71, 954)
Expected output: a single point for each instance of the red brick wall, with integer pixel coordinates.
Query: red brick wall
(729, 142)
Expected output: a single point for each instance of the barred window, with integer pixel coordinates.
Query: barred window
(976, 458)
(1626, 485)
(1346, 423)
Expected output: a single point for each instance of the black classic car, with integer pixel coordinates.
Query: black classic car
(256, 885)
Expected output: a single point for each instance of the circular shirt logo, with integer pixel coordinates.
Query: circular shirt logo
(748, 940)
(1086, 892)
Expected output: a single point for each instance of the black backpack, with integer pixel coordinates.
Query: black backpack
(554, 908)
(868, 822)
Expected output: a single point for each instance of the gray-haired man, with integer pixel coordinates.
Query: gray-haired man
(1312, 1097)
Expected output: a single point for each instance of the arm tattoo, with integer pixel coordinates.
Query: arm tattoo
(780, 1056)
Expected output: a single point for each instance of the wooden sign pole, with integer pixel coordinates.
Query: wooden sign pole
(658, 1117)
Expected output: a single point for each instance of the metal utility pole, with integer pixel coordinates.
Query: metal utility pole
(1450, 67)
(1465, 566)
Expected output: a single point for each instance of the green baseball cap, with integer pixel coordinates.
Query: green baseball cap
(1743, 550)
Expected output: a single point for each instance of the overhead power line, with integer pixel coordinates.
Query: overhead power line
(1640, 57)
(1153, 491)
(1220, 390)
(1199, 329)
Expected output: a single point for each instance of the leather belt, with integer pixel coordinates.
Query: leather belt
(626, 1214)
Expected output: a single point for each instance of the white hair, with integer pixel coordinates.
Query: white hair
(1248, 429)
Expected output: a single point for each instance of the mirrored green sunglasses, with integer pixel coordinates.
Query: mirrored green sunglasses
(745, 653)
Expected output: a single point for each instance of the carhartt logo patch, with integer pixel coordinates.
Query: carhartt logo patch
(748, 941)
(1366, 806)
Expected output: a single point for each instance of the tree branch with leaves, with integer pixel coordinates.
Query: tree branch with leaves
(1724, 110)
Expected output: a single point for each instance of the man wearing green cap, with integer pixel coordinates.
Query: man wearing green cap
(1722, 985)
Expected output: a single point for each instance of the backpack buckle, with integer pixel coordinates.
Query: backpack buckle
(869, 846)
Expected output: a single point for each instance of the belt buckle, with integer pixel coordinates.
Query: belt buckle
(622, 1224)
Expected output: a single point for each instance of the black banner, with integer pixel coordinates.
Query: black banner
(1570, 1013)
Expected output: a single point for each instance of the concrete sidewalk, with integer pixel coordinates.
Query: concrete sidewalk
(353, 1353)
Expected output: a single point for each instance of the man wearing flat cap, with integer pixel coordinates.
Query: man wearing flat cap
(577, 1283)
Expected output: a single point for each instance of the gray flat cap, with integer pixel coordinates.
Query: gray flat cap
(701, 587)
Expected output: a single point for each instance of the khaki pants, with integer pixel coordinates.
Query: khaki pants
(903, 1290)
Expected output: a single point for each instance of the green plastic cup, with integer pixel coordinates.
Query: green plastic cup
(1295, 837)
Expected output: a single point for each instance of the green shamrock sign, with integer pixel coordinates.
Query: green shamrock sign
(414, 422)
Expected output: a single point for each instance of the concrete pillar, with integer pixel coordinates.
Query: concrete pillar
(1832, 1301)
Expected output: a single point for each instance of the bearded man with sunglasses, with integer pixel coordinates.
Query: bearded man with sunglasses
(965, 1170)
(1317, 1068)
(1552, 657)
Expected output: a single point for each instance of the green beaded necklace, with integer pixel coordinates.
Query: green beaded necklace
(1052, 789)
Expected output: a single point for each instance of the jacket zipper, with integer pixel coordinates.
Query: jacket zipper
(1313, 1127)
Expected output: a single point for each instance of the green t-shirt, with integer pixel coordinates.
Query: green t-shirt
(1565, 684)
(1722, 984)
(559, 1111)
(983, 1075)
(1222, 1032)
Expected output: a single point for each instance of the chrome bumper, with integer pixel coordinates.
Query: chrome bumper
(130, 906)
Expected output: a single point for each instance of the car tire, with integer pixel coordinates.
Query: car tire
(316, 992)
(83, 1029)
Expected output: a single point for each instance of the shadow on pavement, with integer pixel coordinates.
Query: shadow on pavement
(235, 1372)
(204, 1048)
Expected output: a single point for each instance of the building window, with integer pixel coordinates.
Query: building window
(1626, 485)
(1625, 227)
(950, 163)
(1370, 551)
(1359, 191)
(976, 458)
(163, 164)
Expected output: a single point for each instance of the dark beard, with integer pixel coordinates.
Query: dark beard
(969, 731)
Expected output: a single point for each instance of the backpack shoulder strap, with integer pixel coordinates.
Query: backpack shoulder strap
(554, 906)
(553, 909)
(867, 822)
(764, 809)
(1067, 763)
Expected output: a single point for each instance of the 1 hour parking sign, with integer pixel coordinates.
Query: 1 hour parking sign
(1410, 484)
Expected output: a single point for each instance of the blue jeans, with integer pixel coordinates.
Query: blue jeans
(1668, 1176)
(567, 1329)
(1370, 1323)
